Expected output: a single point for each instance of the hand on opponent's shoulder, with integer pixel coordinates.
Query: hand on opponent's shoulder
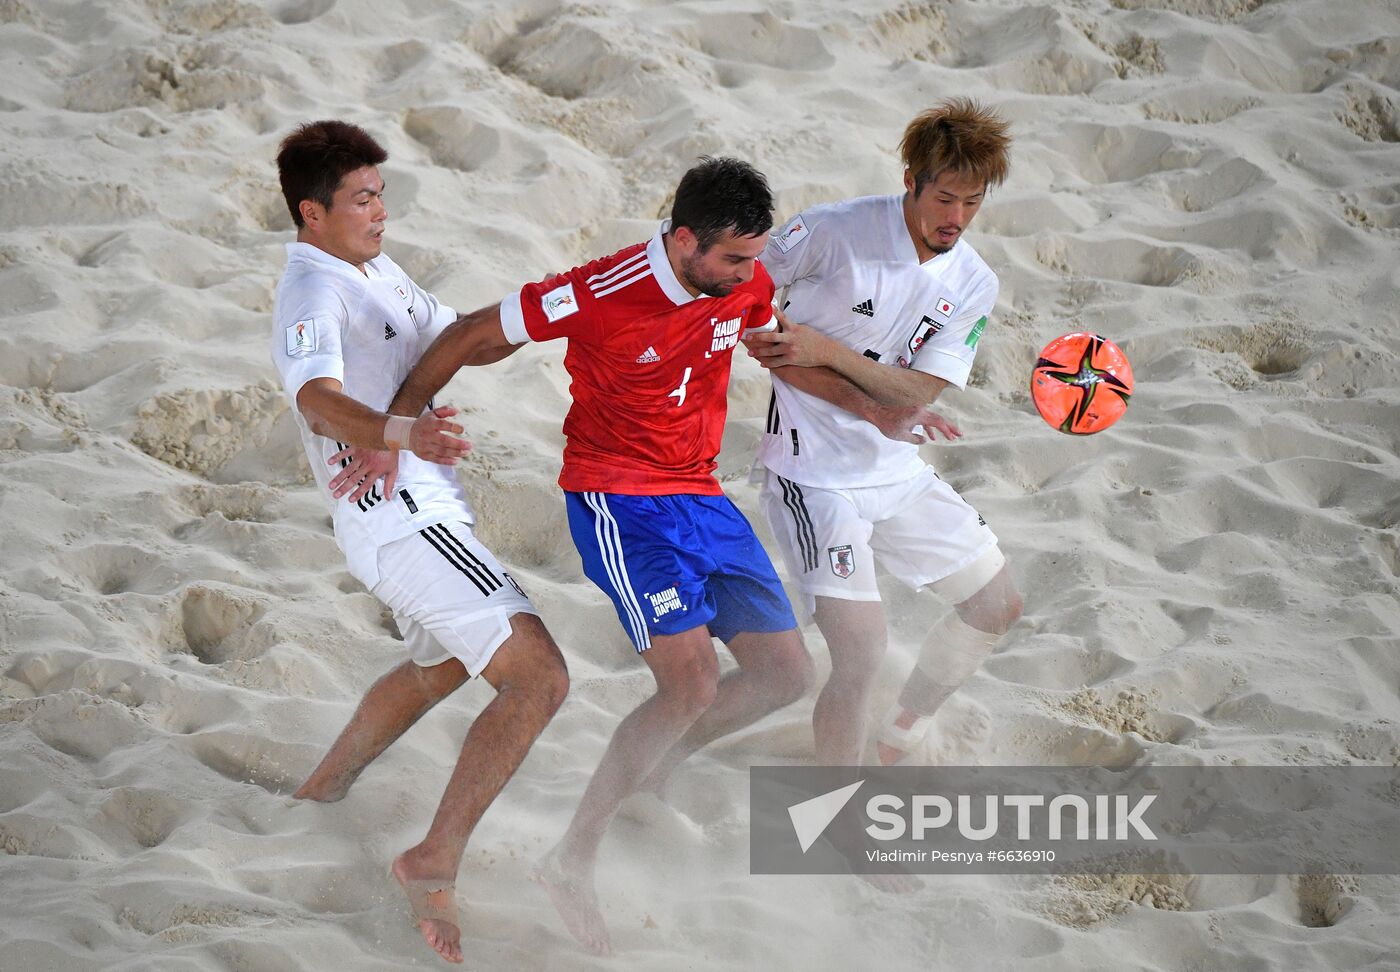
(790, 344)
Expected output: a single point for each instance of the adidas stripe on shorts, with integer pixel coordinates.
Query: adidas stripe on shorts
(450, 597)
(920, 531)
(674, 562)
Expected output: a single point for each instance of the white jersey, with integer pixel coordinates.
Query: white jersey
(365, 330)
(851, 272)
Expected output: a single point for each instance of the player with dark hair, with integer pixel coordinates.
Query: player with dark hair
(650, 333)
(348, 326)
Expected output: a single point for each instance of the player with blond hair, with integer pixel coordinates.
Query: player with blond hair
(894, 300)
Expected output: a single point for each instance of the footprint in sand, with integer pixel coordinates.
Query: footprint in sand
(250, 502)
(110, 569)
(214, 624)
(276, 767)
(300, 11)
(82, 726)
(455, 139)
(1323, 899)
(149, 816)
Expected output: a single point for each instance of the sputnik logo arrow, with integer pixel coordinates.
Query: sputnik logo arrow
(811, 817)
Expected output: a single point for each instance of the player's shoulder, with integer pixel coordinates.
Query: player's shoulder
(631, 257)
(849, 224)
(310, 291)
(846, 215)
(973, 272)
(310, 272)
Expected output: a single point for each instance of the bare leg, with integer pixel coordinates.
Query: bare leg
(992, 610)
(531, 681)
(855, 635)
(687, 675)
(774, 670)
(392, 705)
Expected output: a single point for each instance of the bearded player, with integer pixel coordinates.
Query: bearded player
(650, 332)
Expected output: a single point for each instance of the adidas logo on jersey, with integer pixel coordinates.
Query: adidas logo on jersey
(649, 356)
(389, 332)
(866, 307)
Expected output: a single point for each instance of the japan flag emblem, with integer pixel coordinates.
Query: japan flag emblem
(843, 561)
(945, 307)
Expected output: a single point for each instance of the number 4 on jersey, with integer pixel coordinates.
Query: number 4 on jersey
(678, 393)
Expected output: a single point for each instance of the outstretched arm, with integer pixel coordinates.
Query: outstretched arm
(472, 339)
(897, 422)
(795, 345)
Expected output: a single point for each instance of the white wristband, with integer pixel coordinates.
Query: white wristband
(397, 431)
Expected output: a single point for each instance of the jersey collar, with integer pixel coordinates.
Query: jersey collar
(306, 253)
(661, 268)
(899, 236)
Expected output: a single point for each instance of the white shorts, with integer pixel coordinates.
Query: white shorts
(450, 596)
(921, 531)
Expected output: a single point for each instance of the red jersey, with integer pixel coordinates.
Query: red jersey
(650, 368)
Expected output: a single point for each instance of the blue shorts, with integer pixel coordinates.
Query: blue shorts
(672, 563)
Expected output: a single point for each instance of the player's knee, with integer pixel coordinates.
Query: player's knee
(687, 702)
(553, 684)
(993, 609)
(857, 641)
(688, 689)
(860, 655)
(794, 673)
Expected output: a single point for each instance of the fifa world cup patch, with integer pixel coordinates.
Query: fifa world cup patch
(843, 561)
(559, 303)
(301, 338)
(792, 234)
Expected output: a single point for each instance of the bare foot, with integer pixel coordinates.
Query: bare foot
(323, 790)
(434, 904)
(319, 794)
(576, 902)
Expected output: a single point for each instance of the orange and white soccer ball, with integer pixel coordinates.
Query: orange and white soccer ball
(1082, 383)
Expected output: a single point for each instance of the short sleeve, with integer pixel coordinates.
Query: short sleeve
(561, 306)
(947, 335)
(762, 318)
(306, 343)
(794, 251)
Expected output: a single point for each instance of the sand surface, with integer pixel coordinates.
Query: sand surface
(1212, 183)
